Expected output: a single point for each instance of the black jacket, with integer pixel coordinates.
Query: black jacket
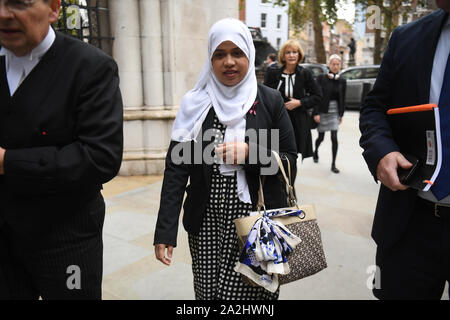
(272, 66)
(62, 131)
(326, 85)
(270, 114)
(403, 80)
(308, 92)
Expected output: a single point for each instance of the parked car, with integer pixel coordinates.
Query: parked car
(360, 81)
(315, 68)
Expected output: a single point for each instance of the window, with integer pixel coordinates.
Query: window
(352, 74)
(316, 71)
(278, 43)
(263, 20)
(371, 73)
(279, 21)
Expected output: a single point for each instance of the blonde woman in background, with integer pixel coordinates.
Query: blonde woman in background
(330, 111)
(299, 90)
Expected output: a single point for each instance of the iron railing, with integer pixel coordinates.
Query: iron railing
(87, 20)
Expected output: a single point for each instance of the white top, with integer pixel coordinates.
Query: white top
(18, 68)
(437, 78)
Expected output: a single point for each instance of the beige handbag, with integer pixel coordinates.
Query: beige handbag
(307, 258)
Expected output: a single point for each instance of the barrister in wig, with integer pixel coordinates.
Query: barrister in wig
(60, 140)
(300, 92)
(329, 112)
(227, 101)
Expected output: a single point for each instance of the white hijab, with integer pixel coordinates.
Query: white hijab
(231, 104)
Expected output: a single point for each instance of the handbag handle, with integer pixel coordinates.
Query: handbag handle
(292, 200)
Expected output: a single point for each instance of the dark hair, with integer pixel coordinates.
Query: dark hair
(272, 57)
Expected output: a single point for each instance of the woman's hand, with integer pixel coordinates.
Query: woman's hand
(293, 103)
(160, 252)
(233, 152)
(317, 118)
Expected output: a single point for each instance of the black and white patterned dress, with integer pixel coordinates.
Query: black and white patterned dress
(215, 250)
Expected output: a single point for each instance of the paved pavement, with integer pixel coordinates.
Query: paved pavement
(344, 202)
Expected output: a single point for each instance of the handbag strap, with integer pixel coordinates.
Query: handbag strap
(292, 200)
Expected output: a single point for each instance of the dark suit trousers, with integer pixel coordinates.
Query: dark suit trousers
(4, 289)
(65, 261)
(418, 266)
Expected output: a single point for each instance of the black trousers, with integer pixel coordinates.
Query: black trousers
(4, 288)
(63, 262)
(417, 267)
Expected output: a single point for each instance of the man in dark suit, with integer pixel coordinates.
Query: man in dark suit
(61, 138)
(411, 228)
(272, 61)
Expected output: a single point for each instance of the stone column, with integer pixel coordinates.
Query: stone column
(151, 48)
(125, 29)
(168, 36)
(127, 50)
(155, 120)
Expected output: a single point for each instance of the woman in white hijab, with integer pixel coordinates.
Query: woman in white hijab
(211, 146)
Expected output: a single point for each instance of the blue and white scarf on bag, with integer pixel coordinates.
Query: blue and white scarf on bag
(268, 245)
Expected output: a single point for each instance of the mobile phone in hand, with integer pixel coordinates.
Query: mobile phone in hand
(405, 175)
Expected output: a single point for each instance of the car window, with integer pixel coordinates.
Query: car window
(371, 73)
(352, 74)
(316, 71)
